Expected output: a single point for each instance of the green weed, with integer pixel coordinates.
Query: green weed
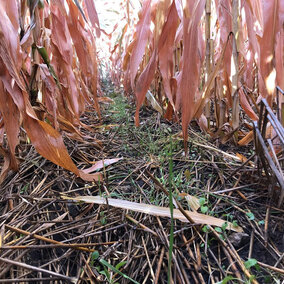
(106, 268)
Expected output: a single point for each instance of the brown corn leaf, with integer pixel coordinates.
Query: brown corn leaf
(246, 106)
(166, 49)
(7, 164)
(242, 157)
(143, 84)
(93, 16)
(101, 164)
(11, 119)
(191, 64)
(247, 139)
(140, 40)
(267, 46)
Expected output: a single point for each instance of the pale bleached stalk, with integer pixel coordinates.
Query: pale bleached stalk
(235, 65)
(197, 218)
(208, 53)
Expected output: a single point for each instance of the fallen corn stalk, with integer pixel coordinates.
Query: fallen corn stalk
(156, 211)
(270, 149)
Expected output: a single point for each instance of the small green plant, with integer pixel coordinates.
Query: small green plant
(226, 280)
(251, 262)
(103, 219)
(224, 226)
(24, 189)
(104, 268)
(250, 216)
(235, 223)
(203, 207)
(221, 232)
(205, 229)
(95, 255)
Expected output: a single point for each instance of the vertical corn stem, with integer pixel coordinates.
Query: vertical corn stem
(282, 114)
(208, 53)
(35, 82)
(235, 66)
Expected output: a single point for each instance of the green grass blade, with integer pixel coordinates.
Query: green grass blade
(172, 212)
(105, 263)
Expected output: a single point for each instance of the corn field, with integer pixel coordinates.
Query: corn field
(205, 60)
(206, 78)
(202, 60)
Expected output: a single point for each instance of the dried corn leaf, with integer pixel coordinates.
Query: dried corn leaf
(140, 40)
(242, 157)
(192, 201)
(191, 64)
(154, 102)
(247, 139)
(166, 49)
(155, 210)
(100, 164)
(246, 106)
